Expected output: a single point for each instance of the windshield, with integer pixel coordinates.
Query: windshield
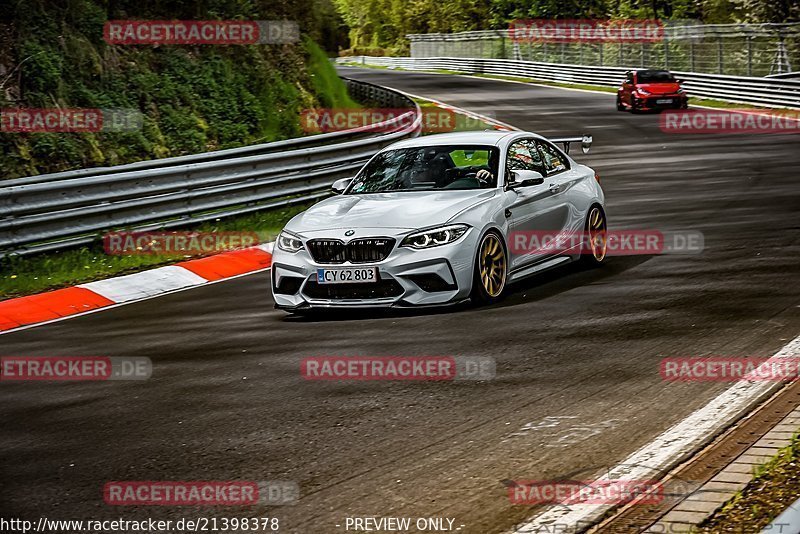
(655, 76)
(427, 168)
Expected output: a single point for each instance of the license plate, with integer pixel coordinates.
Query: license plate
(664, 101)
(354, 275)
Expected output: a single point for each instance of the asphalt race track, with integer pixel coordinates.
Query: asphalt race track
(577, 386)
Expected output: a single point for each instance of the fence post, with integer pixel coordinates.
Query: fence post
(666, 54)
(641, 54)
(719, 54)
(621, 53)
(601, 54)
(749, 55)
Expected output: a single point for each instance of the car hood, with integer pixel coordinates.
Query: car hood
(401, 210)
(660, 88)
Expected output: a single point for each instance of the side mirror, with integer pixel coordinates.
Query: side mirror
(523, 178)
(340, 185)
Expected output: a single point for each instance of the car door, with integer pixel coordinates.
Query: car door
(561, 180)
(531, 210)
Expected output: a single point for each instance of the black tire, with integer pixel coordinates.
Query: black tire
(594, 254)
(620, 105)
(634, 105)
(488, 284)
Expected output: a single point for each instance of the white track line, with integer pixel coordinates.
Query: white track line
(664, 451)
(468, 113)
(109, 290)
(145, 284)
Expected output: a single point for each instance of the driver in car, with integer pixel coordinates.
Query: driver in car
(485, 176)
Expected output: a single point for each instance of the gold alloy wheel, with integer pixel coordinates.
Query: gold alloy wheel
(598, 238)
(492, 265)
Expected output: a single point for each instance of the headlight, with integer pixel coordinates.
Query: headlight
(435, 237)
(289, 242)
(680, 91)
(642, 92)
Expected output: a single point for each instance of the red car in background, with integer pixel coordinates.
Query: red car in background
(648, 90)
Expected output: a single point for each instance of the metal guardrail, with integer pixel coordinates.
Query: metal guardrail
(749, 90)
(54, 211)
(685, 45)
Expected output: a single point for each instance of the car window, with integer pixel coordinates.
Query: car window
(629, 77)
(655, 76)
(554, 161)
(523, 156)
(426, 168)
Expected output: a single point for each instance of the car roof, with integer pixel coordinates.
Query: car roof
(487, 137)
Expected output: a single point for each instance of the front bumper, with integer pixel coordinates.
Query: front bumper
(407, 277)
(656, 102)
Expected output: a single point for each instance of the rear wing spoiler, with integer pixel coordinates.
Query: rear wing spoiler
(584, 140)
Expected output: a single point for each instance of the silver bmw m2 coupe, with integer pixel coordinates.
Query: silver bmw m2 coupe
(439, 219)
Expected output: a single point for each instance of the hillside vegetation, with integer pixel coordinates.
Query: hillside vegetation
(380, 26)
(193, 98)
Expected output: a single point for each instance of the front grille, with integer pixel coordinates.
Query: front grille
(367, 250)
(327, 250)
(373, 290)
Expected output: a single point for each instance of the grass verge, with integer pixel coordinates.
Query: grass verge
(25, 275)
(776, 485)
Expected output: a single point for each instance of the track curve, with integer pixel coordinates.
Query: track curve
(577, 352)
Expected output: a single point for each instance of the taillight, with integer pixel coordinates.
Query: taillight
(597, 177)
